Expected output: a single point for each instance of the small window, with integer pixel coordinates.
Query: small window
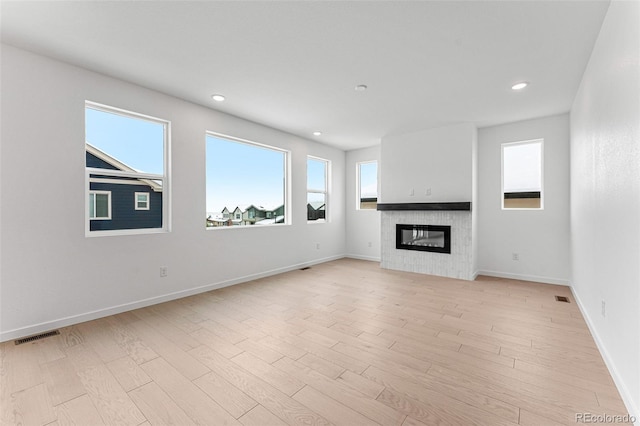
(246, 175)
(126, 156)
(522, 177)
(100, 205)
(367, 185)
(317, 194)
(142, 200)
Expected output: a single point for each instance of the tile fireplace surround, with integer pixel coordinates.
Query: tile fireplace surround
(459, 264)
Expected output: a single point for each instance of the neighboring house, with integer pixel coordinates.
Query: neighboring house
(316, 210)
(279, 212)
(219, 219)
(236, 216)
(216, 220)
(229, 218)
(253, 214)
(226, 214)
(259, 214)
(368, 203)
(121, 203)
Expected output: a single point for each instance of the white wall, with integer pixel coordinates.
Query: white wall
(440, 159)
(363, 226)
(52, 275)
(540, 237)
(605, 196)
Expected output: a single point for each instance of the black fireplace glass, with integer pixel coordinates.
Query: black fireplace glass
(434, 238)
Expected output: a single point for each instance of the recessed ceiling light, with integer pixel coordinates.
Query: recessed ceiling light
(316, 133)
(361, 87)
(519, 86)
(217, 98)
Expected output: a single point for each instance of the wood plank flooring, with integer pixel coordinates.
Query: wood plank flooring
(343, 343)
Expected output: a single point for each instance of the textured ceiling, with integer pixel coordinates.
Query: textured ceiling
(294, 65)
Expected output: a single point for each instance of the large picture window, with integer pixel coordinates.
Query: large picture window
(246, 183)
(522, 178)
(317, 193)
(367, 185)
(126, 155)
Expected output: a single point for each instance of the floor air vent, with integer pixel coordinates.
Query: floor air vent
(562, 299)
(305, 268)
(37, 337)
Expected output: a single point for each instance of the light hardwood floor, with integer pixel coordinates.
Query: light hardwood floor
(343, 343)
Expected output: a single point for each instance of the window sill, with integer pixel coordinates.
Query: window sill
(120, 232)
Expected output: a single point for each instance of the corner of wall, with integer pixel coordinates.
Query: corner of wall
(625, 393)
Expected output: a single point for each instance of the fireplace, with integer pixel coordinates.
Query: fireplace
(433, 238)
(460, 258)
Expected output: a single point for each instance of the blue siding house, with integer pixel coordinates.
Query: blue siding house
(120, 202)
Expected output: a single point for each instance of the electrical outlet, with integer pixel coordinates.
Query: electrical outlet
(427, 192)
(317, 246)
(369, 244)
(411, 192)
(604, 308)
(515, 256)
(164, 271)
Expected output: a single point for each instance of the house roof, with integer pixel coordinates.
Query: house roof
(426, 63)
(263, 208)
(119, 165)
(317, 205)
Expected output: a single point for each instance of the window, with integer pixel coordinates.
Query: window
(126, 158)
(99, 205)
(367, 185)
(246, 178)
(142, 200)
(522, 175)
(317, 180)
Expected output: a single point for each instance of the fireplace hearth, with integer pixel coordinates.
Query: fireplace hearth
(432, 238)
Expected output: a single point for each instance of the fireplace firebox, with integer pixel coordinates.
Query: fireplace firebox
(434, 238)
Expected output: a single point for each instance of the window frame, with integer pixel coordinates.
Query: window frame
(165, 178)
(286, 166)
(147, 201)
(542, 191)
(327, 180)
(359, 185)
(100, 192)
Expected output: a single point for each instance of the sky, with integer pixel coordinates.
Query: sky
(369, 179)
(522, 167)
(239, 175)
(135, 142)
(316, 175)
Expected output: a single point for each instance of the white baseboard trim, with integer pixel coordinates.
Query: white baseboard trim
(525, 277)
(360, 257)
(629, 401)
(100, 313)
